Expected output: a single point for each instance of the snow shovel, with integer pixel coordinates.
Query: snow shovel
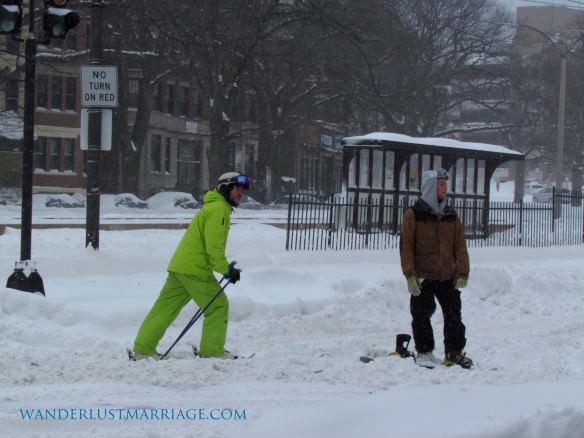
(26, 278)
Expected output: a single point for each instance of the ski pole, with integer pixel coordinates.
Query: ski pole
(194, 319)
(199, 313)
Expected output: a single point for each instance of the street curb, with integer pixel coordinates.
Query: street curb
(119, 227)
(108, 227)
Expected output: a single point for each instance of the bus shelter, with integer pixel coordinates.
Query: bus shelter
(382, 174)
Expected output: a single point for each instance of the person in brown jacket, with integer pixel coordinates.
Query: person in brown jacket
(435, 262)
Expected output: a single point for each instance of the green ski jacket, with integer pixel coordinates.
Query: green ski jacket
(202, 248)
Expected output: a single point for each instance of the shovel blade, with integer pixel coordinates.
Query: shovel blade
(32, 283)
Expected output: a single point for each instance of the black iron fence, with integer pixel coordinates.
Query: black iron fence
(339, 223)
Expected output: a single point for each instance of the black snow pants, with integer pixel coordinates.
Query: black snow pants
(423, 306)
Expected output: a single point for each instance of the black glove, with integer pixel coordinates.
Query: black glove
(233, 275)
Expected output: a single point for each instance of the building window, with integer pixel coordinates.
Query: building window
(57, 43)
(42, 93)
(12, 93)
(155, 150)
(199, 106)
(184, 101)
(249, 107)
(71, 94)
(56, 91)
(12, 45)
(188, 166)
(40, 151)
(249, 159)
(170, 99)
(309, 169)
(158, 97)
(71, 40)
(167, 155)
(231, 156)
(133, 89)
(69, 154)
(54, 153)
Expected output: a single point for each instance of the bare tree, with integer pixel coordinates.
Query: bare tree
(295, 79)
(218, 41)
(414, 59)
(380, 64)
(133, 41)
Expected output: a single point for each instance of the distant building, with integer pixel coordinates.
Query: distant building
(482, 117)
(175, 152)
(174, 155)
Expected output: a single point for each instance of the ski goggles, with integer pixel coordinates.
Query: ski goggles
(243, 181)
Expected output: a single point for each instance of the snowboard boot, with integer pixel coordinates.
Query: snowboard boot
(402, 341)
(460, 359)
(427, 360)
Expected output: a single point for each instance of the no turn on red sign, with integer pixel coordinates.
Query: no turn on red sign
(99, 86)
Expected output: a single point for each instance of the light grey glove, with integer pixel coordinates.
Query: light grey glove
(414, 285)
(461, 282)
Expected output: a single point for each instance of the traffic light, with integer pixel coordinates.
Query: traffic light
(10, 14)
(57, 20)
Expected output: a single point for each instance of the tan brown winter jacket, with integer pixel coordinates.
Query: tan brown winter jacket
(433, 247)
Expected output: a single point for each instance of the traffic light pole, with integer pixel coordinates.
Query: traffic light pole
(25, 276)
(94, 134)
(28, 148)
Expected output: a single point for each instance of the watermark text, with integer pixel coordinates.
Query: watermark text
(133, 414)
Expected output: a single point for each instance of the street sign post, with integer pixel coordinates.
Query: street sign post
(99, 91)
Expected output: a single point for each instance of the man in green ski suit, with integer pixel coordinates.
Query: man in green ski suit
(190, 274)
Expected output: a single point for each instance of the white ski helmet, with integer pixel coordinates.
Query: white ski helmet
(230, 179)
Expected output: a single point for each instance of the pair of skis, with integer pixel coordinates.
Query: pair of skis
(132, 356)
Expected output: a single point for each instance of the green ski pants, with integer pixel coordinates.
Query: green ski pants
(177, 291)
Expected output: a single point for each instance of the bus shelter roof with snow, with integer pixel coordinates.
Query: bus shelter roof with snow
(386, 168)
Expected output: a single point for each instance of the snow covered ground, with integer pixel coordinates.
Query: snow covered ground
(307, 316)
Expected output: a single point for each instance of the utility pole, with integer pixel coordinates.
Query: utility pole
(28, 134)
(560, 138)
(94, 134)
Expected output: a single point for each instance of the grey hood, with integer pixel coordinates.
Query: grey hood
(429, 196)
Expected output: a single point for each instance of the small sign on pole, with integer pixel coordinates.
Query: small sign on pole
(106, 130)
(99, 86)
